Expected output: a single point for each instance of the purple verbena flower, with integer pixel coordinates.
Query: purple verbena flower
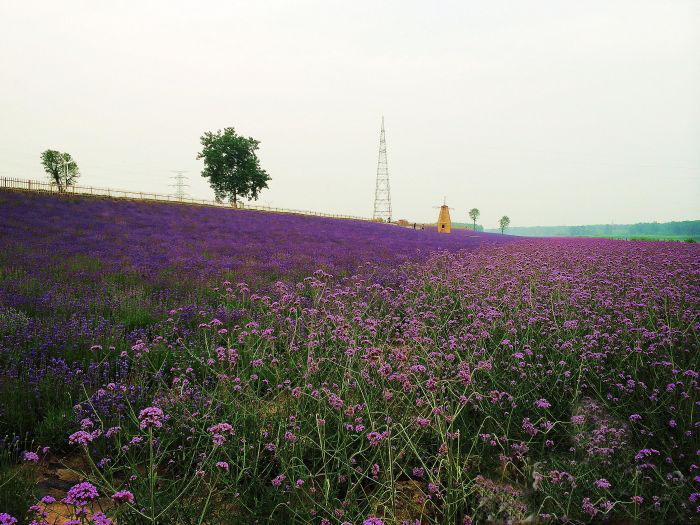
(150, 417)
(81, 494)
(277, 481)
(602, 484)
(542, 403)
(80, 437)
(31, 457)
(123, 496)
(374, 438)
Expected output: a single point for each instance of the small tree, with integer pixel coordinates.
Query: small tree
(231, 165)
(504, 223)
(474, 215)
(60, 167)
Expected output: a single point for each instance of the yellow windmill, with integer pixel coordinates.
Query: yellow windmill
(444, 225)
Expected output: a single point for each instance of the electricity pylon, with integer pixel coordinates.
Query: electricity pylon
(382, 192)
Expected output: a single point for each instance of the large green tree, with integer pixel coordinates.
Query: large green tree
(504, 222)
(231, 165)
(60, 167)
(474, 215)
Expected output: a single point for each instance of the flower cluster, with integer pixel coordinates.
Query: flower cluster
(219, 431)
(123, 496)
(150, 417)
(81, 494)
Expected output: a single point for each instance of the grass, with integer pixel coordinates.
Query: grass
(17, 480)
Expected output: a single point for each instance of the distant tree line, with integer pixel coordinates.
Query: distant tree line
(468, 226)
(676, 228)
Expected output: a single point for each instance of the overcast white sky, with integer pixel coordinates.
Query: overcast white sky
(552, 112)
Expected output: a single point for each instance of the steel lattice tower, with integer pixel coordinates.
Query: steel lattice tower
(382, 193)
(179, 184)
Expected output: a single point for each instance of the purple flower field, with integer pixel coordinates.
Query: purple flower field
(154, 238)
(220, 366)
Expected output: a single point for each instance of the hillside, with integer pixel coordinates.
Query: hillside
(149, 238)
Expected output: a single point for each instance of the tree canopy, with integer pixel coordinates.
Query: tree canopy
(474, 215)
(231, 165)
(61, 168)
(504, 222)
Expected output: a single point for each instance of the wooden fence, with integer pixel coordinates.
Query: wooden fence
(47, 187)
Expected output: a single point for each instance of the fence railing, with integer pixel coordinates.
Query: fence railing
(48, 187)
